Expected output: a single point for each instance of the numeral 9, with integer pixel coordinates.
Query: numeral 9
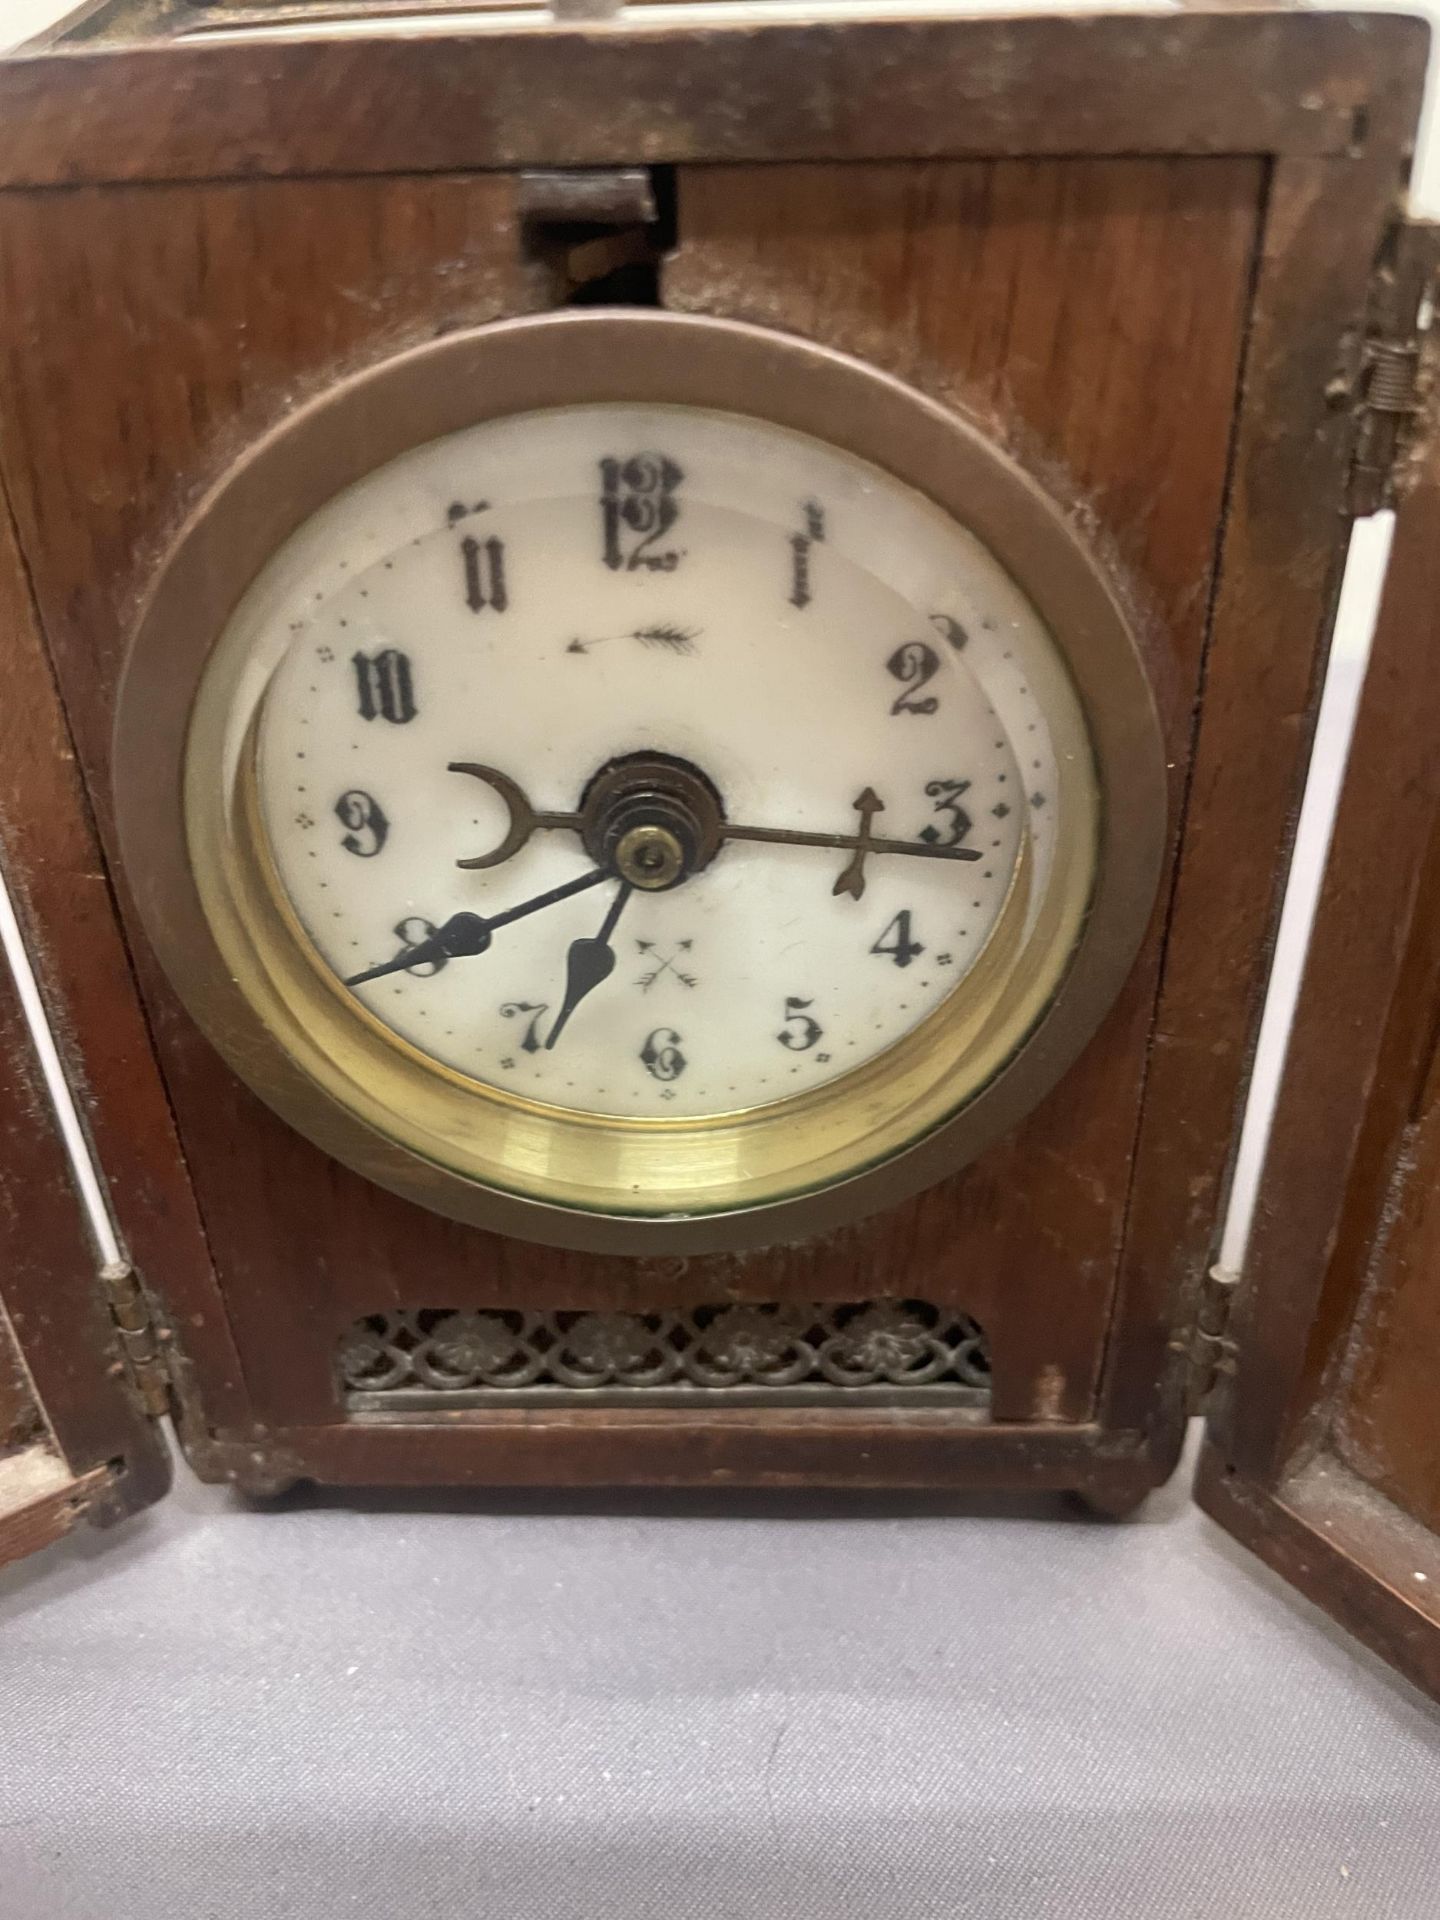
(365, 820)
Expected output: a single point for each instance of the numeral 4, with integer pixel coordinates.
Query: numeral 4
(895, 943)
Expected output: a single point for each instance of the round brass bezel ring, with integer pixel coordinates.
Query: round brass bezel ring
(641, 357)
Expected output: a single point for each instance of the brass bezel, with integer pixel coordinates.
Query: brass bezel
(257, 994)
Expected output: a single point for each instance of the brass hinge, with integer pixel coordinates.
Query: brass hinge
(1386, 378)
(1211, 1350)
(142, 1345)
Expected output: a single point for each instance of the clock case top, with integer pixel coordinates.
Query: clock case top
(1329, 107)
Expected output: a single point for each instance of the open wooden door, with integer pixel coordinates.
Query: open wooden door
(1323, 1453)
(77, 1436)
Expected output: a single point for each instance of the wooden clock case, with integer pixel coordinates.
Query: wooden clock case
(1163, 260)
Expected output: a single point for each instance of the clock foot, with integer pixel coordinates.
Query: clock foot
(1113, 1500)
(264, 1488)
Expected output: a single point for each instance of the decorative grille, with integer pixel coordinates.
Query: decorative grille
(890, 1349)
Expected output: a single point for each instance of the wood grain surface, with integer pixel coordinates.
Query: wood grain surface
(1116, 376)
(1101, 315)
(1058, 303)
(1219, 82)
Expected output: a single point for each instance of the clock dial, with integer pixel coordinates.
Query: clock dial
(842, 733)
(656, 784)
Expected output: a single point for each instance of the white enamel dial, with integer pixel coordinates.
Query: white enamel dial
(543, 595)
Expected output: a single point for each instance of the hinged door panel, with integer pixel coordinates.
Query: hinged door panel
(74, 1436)
(74, 1433)
(1325, 1454)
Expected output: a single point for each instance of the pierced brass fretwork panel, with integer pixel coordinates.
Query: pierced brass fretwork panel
(885, 1349)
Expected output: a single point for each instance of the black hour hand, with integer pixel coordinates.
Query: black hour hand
(590, 961)
(466, 933)
(462, 933)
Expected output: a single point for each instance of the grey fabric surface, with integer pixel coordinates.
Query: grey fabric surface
(806, 1710)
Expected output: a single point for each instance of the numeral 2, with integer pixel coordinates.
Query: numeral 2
(914, 664)
(901, 949)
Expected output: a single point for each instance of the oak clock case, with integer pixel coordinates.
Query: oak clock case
(657, 783)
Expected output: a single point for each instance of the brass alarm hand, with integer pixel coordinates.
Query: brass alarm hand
(679, 790)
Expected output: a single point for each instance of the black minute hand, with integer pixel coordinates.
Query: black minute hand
(589, 961)
(465, 933)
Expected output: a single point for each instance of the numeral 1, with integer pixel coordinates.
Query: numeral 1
(800, 545)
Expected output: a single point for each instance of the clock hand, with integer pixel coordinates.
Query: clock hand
(589, 962)
(467, 933)
(523, 820)
(862, 844)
